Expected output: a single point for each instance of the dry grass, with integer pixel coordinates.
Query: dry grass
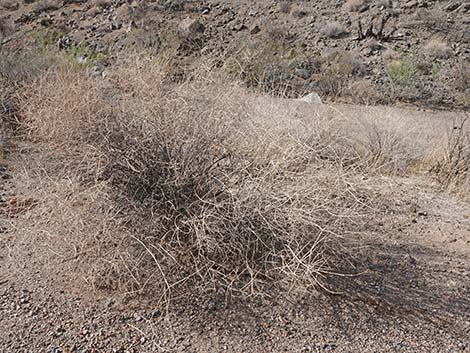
(386, 4)
(438, 49)
(452, 165)
(182, 190)
(285, 7)
(7, 27)
(9, 4)
(205, 195)
(333, 30)
(47, 5)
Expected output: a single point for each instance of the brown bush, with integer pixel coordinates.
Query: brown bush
(452, 166)
(437, 49)
(205, 194)
(285, 7)
(333, 30)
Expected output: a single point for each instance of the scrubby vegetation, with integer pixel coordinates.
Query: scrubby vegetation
(213, 196)
(196, 188)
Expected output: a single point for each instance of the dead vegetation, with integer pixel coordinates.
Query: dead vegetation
(453, 165)
(333, 29)
(176, 190)
(212, 197)
(438, 49)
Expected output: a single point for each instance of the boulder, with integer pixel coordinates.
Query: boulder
(311, 98)
(189, 28)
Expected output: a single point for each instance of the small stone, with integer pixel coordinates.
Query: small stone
(189, 28)
(311, 98)
(255, 29)
(410, 4)
(452, 6)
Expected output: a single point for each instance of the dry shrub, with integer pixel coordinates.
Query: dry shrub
(432, 19)
(336, 70)
(460, 74)
(100, 3)
(9, 4)
(204, 193)
(47, 5)
(386, 4)
(390, 56)
(7, 27)
(363, 92)
(333, 30)
(452, 166)
(438, 49)
(16, 70)
(285, 7)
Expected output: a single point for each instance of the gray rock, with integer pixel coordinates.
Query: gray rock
(189, 28)
(452, 6)
(311, 98)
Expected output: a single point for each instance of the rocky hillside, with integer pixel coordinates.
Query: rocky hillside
(366, 51)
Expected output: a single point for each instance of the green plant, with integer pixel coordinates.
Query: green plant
(153, 39)
(402, 72)
(46, 39)
(83, 54)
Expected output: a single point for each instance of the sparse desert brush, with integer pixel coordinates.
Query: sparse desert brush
(402, 73)
(336, 70)
(16, 70)
(172, 5)
(452, 164)
(285, 6)
(99, 3)
(333, 29)
(438, 49)
(355, 5)
(47, 5)
(361, 91)
(264, 63)
(461, 75)
(391, 56)
(7, 27)
(213, 195)
(9, 4)
(384, 3)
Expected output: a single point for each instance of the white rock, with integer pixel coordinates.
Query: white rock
(311, 98)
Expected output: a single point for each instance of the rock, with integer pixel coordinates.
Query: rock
(189, 28)
(302, 73)
(311, 98)
(238, 26)
(410, 4)
(452, 6)
(10, 5)
(255, 29)
(465, 7)
(132, 25)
